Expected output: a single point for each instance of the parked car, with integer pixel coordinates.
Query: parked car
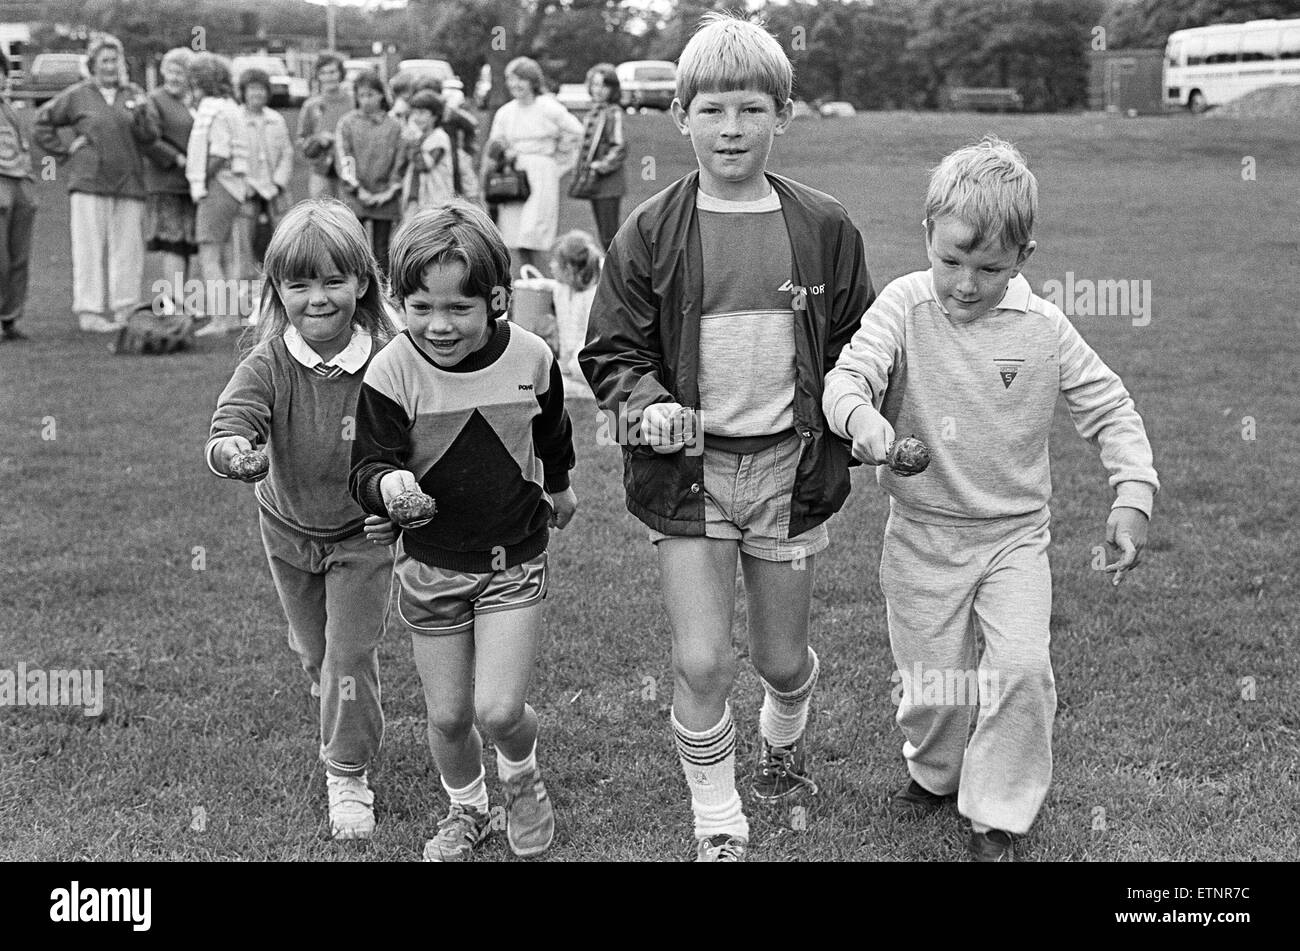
(453, 90)
(286, 89)
(647, 83)
(50, 74)
(802, 110)
(574, 97)
(837, 110)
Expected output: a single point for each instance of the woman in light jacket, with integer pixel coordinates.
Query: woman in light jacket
(104, 169)
(541, 137)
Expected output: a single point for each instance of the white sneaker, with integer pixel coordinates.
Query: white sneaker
(97, 324)
(352, 814)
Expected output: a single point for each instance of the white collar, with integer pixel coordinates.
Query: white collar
(1015, 297)
(769, 202)
(351, 358)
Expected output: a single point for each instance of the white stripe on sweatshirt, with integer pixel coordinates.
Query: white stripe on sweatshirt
(981, 394)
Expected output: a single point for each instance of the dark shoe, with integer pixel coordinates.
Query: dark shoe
(10, 332)
(781, 771)
(914, 801)
(992, 846)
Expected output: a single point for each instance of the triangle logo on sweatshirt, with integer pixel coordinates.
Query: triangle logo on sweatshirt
(1008, 367)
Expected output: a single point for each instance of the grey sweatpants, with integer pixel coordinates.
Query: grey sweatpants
(943, 583)
(335, 596)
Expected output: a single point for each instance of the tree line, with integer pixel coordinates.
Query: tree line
(877, 54)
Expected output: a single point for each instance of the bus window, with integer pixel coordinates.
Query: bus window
(1259, 46)
(1195, 50)
(1173, 56)
(1289, 46)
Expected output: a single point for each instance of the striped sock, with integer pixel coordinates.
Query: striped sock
(785, 714)
(475, 794)
(709, 761)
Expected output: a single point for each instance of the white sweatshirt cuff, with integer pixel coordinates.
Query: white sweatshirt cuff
(207, 454)
(1135, 495)
(842, 408)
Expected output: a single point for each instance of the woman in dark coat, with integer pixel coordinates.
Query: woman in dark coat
(604, 128)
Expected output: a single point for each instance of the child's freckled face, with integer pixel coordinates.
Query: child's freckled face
(970, 283)
(732, 134)
(321, 308)
(443, 320)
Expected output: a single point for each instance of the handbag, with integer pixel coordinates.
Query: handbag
(263, 228)
(585, 178)
(532, 305)
(506, 185)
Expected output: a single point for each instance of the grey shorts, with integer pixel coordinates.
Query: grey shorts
(747, 499)
(439, 601)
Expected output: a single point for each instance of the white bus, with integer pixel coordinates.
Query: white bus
(1209, 65)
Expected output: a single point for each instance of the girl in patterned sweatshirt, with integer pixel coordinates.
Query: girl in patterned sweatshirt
(469, 408)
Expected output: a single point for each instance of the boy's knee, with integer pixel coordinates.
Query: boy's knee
(705, 673)
(781, 669)
(451, 725)
(500, 718)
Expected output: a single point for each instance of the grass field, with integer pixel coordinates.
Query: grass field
(1165, 749)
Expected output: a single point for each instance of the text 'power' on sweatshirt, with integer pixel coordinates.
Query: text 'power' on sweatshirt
(487, 438)
(981, 395)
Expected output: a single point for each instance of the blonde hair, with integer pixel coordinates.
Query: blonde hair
(729, 53)
(319, 237)
(578, 255)
(180, 55)
(988, 187)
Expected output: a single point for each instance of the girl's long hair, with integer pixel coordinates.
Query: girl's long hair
(318, 237)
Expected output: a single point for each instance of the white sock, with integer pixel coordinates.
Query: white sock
(709, 761)
(475, 794)
(509, 770)
(785, 714)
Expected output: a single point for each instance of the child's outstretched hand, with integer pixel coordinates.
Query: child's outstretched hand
(1126, 534)
(380, 531)
(667, 427)
(227, 451)
(872, 435)
(565, 504)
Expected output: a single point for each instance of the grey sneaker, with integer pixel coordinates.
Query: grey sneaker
(721, 848)
(530, 817)
(463, 829)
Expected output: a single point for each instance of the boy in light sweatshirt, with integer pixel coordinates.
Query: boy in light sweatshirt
(968, 358)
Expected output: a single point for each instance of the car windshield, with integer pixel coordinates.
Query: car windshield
(655, 74)
(268, 64)
(46, 63)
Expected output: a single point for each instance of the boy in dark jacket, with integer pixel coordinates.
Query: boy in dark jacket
(714, 389)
